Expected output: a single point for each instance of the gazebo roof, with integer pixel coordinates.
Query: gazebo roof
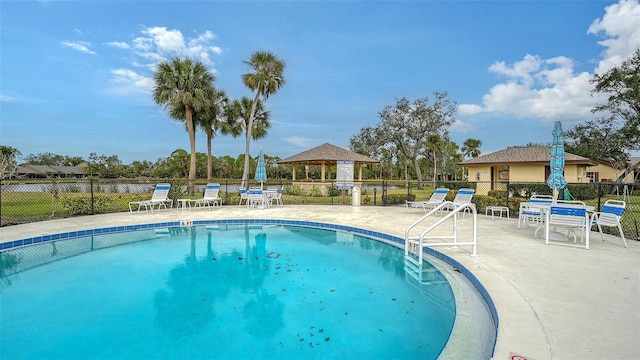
(327, 153)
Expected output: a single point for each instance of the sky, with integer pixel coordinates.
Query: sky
(76, 77)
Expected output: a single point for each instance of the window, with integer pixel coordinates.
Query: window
(593, 176)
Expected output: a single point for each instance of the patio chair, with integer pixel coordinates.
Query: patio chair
(244, 195)
(436, 199)
(463, 197)
(255, 197)
(571, 216)
(210, 197)
(275, 195)
(159, 197)
(610, 216)
(529, 211)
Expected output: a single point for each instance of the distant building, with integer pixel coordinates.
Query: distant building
(44, 171)
(531, 164)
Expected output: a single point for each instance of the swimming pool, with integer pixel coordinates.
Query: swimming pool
(174, 292)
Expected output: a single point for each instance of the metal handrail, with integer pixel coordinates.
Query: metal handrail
(420, 240)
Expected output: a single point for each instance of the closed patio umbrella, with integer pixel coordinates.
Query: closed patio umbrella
(261, 170)
(556, 180)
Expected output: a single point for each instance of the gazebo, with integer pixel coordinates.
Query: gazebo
(323, 155)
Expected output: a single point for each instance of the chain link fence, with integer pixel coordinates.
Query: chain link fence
(30, 200)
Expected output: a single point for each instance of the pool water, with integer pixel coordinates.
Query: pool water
(223, 292)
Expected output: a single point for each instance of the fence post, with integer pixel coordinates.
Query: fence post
(384, 193)
(599, 195)
(507, 187)
(374, 195)
(92, 199)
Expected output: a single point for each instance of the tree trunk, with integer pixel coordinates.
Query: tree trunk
(418, 172)
(249, 128)
(192, 143)
(209, 159)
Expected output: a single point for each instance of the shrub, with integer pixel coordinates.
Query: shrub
(333, 191)
(315, 192)
(294, 190)
(397, 199)
(498, 194)
(80, 204)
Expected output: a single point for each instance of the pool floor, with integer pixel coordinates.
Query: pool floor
(225, 292)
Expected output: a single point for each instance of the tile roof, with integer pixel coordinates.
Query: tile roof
(327, 153)
(524, 154)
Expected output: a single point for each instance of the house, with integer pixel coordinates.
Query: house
(530, 164)
(43, 171)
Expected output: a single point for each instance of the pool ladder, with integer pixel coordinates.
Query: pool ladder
(414, 244)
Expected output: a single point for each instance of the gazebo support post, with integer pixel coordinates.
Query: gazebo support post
(322, 171)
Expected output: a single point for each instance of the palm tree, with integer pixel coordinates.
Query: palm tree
(471, 147)
(239, 122)
(181, 83)
(265, 79)
(434, 145)
(211, 120)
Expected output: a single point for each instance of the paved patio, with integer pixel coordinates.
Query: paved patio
(553, 302)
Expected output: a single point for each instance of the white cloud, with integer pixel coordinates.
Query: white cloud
(126, 80)
(469, 109)
(620, 27)
(157, 44)
(549, 89)
(299, 141)
(119, 45)
(7, 98)
(81, 46)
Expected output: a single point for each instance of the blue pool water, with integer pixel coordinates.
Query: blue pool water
(223, 292)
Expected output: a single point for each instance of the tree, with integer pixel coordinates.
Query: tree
(181, 83)
(406, 125)
(211, 120)
(435, 145)
(266, 78)
(251, 119)
(471, 148)
(104, 166)
(622, 84)
(8, 161)
(613, 136)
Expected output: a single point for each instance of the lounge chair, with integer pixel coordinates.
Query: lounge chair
(463, 197)
(210, 197)
(436, 199)
(610, 215)
(160, 197)
(244, 195)
(532, 209)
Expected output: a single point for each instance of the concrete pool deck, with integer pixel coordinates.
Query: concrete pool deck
(553, 302)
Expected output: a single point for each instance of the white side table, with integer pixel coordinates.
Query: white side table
(184, 204)
(497, 209)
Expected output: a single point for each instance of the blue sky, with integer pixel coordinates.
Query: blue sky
(76, 77)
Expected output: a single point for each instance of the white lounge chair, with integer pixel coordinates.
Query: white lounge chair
(436, 199)
(463, 197)
(159, 197)
(210, 197)
(244, 195)
(610, 215)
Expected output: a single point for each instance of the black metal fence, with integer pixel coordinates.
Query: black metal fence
(31, 200)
